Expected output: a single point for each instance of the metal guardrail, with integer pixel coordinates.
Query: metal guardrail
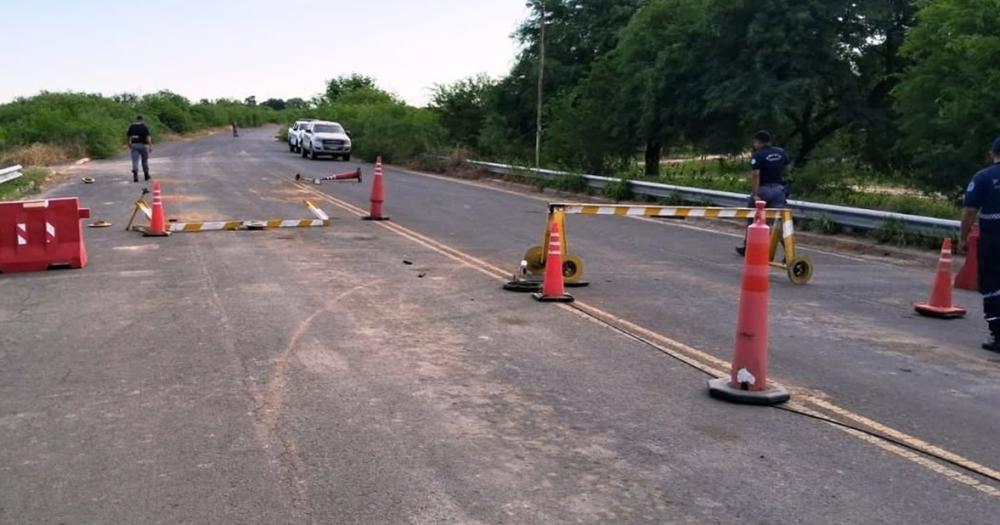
(842, 215)
(9, 174)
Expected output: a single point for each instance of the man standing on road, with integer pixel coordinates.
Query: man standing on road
(236, 130)
(982, 200)
(140, 143)
(768, 168)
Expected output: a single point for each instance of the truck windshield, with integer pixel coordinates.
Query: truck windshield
(328, 128)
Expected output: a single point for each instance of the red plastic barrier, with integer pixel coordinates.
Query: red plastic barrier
(38, 235)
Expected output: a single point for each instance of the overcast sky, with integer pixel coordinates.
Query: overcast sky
(237, 48)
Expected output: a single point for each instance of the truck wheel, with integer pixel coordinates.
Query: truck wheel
(347, 158)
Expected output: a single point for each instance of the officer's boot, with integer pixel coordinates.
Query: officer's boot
(146, 173)
(135, 176)
(993, 345)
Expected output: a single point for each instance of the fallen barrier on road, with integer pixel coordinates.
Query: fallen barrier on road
(799, 268)
(349, 176)
(42, 234)
(320, 220)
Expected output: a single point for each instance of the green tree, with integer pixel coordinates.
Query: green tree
(948, 100)
(342, 86)
(461, 107)
(577, 33)
(276, 104)
(296, 103)
(250, 101)
(660, 70)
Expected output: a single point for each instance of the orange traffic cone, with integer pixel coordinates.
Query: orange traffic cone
(940, 305)
(748, 379)
(968, 276)
(157, 224)
(378, 194)
(553, 285)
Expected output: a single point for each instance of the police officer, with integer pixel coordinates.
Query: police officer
(768, 167)
(140, 143)
(982, 200)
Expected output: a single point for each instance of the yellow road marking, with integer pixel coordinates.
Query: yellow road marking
(716, 367)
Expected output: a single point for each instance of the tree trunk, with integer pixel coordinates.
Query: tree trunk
(654, 153)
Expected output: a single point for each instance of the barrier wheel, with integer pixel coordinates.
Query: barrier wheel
(800, 270)
(536, 259)
(572, 269)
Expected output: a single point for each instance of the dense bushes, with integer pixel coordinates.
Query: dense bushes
(95, 125)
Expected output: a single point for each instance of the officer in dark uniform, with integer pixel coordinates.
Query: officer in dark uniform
(982, 200)
(140, 143)
(768, 167)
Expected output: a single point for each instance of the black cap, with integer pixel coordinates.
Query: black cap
(762, 136)
(138, 117)
(996, 146)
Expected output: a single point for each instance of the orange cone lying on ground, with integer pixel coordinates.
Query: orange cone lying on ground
(157, 224)
(378, 194)
(553, 285)
(940, 305)
(968, 276)
(748, 380)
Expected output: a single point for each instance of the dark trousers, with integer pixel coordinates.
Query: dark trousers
(989, 280)
(775, 195)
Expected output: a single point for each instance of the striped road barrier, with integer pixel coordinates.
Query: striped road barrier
(320, 220)
(799, 268)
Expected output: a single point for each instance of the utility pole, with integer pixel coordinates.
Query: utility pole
(541, 80)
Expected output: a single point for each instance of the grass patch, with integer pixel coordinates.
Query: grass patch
(30, 182)
(619, 190)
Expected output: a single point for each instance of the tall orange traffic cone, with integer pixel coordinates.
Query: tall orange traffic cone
(748, 379)
(157, 224)
(968, 276)
(553, 285)
(940, 305)
(378, 194)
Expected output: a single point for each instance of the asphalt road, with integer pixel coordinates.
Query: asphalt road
(310, 376)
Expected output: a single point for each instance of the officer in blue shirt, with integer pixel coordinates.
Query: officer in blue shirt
(768, 167)
(982, 201)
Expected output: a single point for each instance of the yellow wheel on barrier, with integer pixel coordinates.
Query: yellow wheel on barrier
(572, 269)
(536, 259)
(800, 270)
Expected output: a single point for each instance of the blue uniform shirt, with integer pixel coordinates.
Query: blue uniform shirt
(771, 163)
(984, 193)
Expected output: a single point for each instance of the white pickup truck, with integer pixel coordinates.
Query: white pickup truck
(320, 137)
(295, 135)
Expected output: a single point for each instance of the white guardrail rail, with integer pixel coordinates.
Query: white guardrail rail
(9, 174)
(851, 217)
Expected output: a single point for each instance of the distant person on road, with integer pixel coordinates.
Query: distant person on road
(982, 201)
(236, 130)
(768, 167)
(140, 143)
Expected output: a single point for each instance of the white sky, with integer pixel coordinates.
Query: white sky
(228, 48)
